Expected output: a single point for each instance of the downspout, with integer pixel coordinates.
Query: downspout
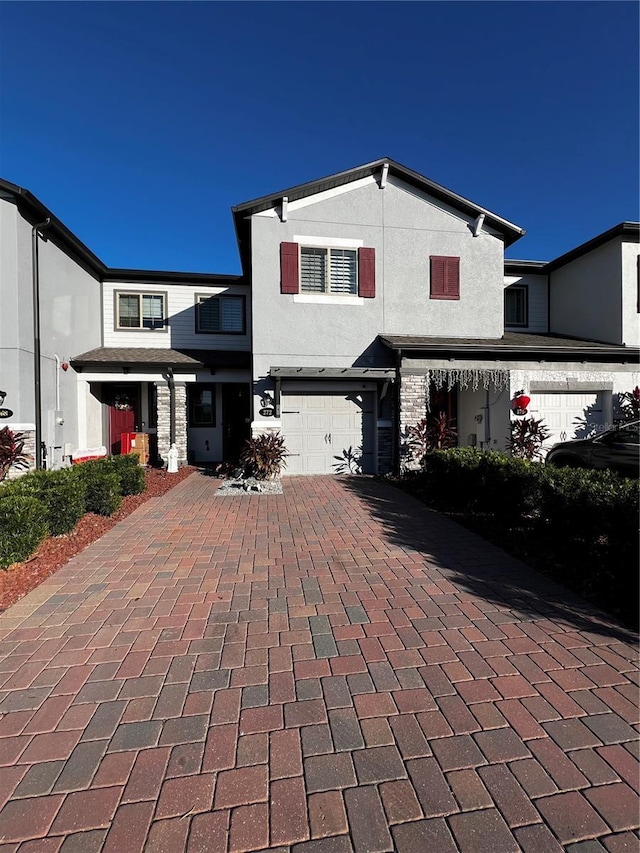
(172, 406)
(397, 414)
(57, 358)
(37, 379)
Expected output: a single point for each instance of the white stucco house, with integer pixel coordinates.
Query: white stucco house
(366, 299)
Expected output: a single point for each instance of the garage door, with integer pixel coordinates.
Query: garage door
(318, 427)
(568, 415)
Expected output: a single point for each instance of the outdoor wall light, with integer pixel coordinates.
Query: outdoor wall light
(3, 394)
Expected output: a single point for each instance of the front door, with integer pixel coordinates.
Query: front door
(236, 419)
(124, 405)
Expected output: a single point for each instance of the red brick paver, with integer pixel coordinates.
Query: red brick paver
(331, 669)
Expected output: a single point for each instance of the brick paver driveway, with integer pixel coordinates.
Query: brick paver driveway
(332, 669)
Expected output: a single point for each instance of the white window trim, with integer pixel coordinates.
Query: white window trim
(327, 242)
(140, 294)
(328, 298)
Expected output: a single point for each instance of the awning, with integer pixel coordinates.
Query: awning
(333, 372)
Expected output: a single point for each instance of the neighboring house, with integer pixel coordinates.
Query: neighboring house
(376, 297)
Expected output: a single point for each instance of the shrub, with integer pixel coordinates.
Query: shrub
(629, 403)
(23, 526)
(452, 478)
(12, 452)
(526, 438)
(130, 473)
(61, 493)
(264, 456)
(510, 487)
(435, 432)
(102, 486)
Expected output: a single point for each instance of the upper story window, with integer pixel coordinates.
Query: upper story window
(220, 315)
(338, 271)
(516, 299)
(445, 277)
(141, 310)
(328, 270)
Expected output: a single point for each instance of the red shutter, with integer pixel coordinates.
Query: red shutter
(367, 273)
(452, 278)
(445, 277)
(289, 268)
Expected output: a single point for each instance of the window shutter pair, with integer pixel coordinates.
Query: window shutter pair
(445, 277)
(290, 270)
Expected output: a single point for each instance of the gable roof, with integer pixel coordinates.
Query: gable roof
(629, 230)
(509, 232)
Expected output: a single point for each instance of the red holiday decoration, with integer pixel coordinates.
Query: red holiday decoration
(520, 403)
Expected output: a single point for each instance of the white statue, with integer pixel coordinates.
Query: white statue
(172, 460)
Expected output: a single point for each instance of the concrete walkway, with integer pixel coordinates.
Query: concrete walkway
(331, 669)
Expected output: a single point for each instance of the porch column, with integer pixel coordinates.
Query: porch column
(164, 420)
(412, 408)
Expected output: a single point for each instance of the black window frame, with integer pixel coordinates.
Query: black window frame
(202, 297)
(525, 290)
(193, 389)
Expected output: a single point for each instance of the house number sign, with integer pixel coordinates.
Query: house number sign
(266, 413)
(6, 413)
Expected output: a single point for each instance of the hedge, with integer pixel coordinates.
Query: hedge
(578, 525)
(62, 495)
(130, 473)
(23, 526)
(102, 485)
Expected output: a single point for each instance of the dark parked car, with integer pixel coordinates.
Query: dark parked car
(617, 448)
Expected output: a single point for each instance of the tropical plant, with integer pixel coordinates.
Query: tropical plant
(527, 437)
(264, 456)
(350, 462)
(435, 432)
(12, 452)
(629, 403)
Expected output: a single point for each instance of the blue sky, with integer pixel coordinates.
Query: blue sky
(140, 124)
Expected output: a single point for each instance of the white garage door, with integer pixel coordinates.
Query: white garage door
(318, 427)
(568, 415)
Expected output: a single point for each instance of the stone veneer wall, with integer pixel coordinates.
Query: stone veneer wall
(164, 421)
(413, 407)
(385, 449)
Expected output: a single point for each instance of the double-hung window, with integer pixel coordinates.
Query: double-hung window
(220, 315)
(318, 271)
(140, 311)
(515, 305)
(328, 270)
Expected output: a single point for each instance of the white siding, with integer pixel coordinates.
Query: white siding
(180, 332)
(538, 303)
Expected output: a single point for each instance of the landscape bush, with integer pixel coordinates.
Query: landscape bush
(23, 526)
(102, 486)
(61, 493)
(130, 473)
(579, 526)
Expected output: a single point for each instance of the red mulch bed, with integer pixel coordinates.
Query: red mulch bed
(54, 552)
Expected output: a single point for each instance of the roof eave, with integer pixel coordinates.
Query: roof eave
(508, 230)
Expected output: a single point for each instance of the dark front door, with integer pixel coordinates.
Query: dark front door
(124, 405)
(236, 419)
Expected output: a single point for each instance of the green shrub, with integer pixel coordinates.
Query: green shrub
(510, 487)
(453, 478)
(130, 473)
(62, 494)
(102, 487)
(23, 526)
